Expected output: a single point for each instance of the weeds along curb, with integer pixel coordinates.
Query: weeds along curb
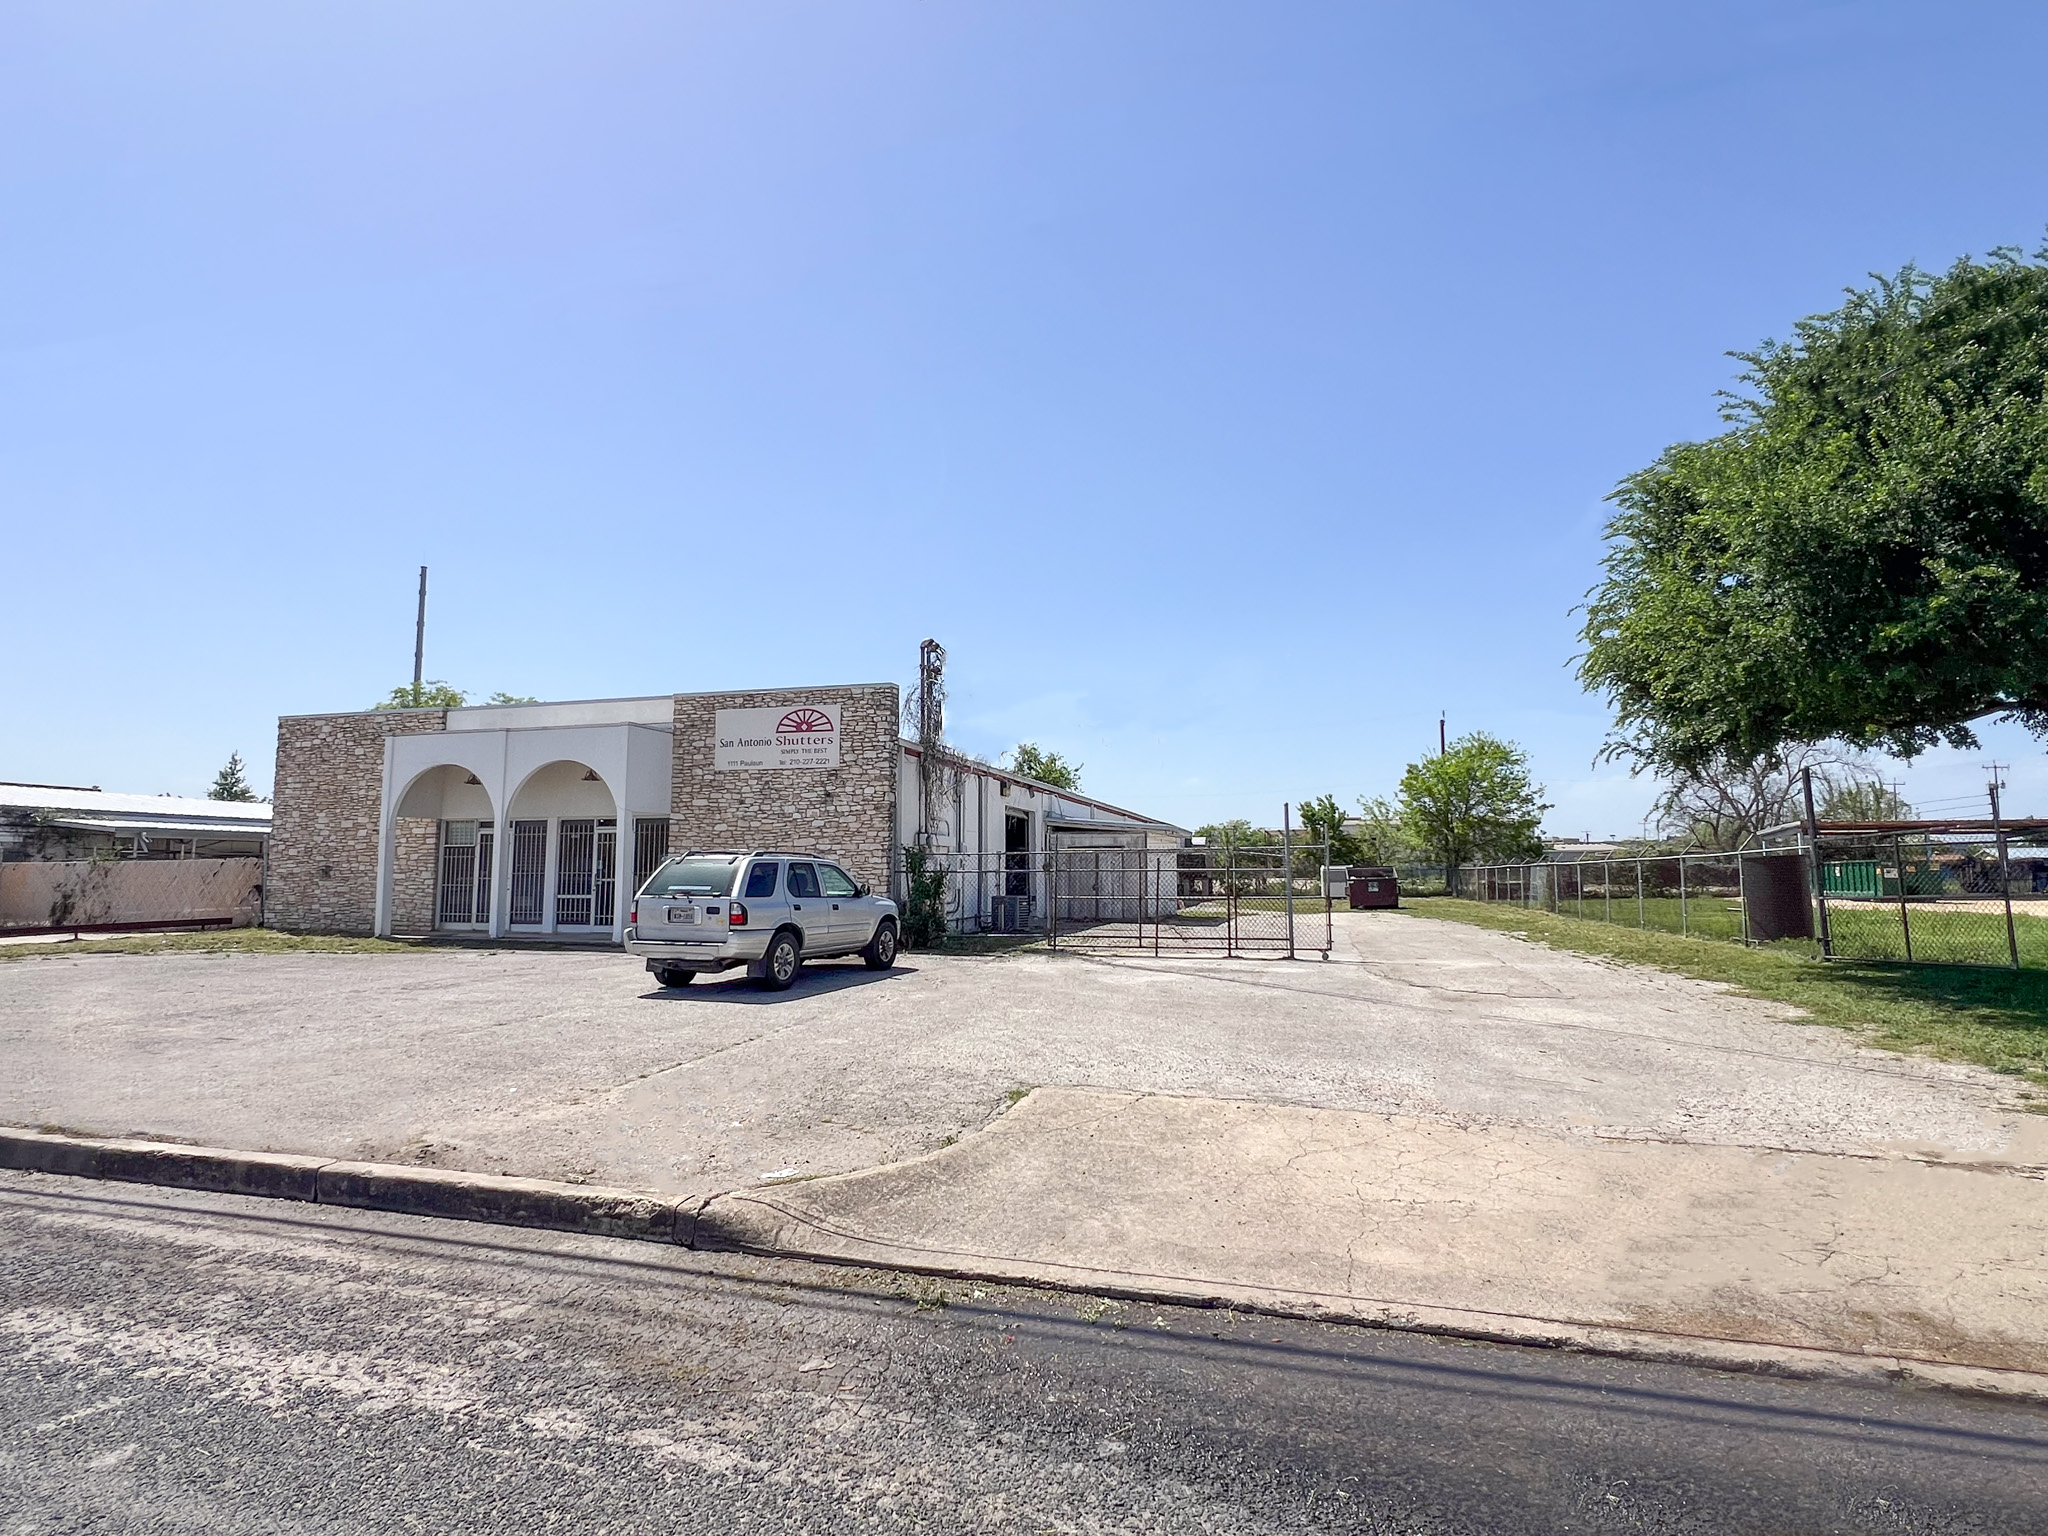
(690, 1222)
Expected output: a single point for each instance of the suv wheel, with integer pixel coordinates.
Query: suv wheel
(783, 960)
(881, 951)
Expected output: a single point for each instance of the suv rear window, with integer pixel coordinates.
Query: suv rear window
(692, 877)
(761, 881)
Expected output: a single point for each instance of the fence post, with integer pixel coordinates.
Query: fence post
(1640, 922)
(1607, 885)
(1817, 870)
(1052, 898)
(1905, 917)
(2012, 938)
(1287, 870)
(1684, 916)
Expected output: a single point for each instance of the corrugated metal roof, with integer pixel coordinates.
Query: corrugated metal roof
(75, 806)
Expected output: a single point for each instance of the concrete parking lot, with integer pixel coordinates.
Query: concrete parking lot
(573, 1065)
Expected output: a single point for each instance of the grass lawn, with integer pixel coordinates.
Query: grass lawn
(1712, 917)
(216, 941)
(1995, 1018)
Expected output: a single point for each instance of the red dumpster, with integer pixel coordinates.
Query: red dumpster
(1372, 885)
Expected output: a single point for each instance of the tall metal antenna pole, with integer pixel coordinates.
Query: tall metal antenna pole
(1441, 748)
(419, 638)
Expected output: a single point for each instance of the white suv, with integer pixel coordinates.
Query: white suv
(767, 911)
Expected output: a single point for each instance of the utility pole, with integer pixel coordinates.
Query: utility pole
(419, 639)
(1441, 747)
(1816, 869)
(2012, 938)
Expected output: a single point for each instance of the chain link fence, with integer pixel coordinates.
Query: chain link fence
(1934, 893)
(1696, 894)
(1955, 896)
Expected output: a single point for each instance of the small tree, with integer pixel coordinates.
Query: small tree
(1323, 818)
(1474, 800)
(511, 698)
(1028, 759)
(924, 907)
(428, 695)
(231, 783)
(1226, 841)
(1852, 799)
(1382, 837)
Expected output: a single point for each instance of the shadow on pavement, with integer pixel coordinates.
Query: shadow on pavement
(812, 981)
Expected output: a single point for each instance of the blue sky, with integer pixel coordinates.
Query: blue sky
(1231, 388)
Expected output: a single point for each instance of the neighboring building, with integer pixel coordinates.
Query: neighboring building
(79, 858)
(542, 819)
(1578, 850)
(49, 822)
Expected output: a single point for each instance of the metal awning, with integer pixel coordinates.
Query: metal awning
(166, 826)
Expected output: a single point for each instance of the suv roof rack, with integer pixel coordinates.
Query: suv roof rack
(751, 853)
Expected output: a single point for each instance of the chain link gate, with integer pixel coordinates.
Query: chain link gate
(1111, 889)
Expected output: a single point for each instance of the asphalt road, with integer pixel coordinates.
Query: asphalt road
(174, 1362)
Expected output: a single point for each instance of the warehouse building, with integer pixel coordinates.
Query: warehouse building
(542, 819)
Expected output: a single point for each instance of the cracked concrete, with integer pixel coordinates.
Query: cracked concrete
(571, 1065)
(1502, 1231)
(1438, 1126)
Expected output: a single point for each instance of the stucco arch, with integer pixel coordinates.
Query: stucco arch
(563, 786)
(449, 791)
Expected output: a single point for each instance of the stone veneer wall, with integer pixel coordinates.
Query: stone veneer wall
(323, 839)
(848, 812)
(414, 874)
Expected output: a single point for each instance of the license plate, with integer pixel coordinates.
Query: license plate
(682, 915)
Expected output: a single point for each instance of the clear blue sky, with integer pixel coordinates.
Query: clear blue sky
(1230, 387)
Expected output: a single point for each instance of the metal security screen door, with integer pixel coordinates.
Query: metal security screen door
(586, 873)
(464, 896)
(650, 847)
(529, 872)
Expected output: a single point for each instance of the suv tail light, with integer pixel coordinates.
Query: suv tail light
(633, 916)
(739, 915)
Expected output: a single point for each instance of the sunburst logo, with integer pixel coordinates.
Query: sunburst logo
(803, 721)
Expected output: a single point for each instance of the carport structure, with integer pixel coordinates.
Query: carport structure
(528, 824)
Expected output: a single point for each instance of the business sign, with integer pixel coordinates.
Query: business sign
(800, 736)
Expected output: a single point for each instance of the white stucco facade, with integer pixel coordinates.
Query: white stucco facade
(536, 766)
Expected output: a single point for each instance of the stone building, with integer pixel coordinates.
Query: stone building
(543, 819)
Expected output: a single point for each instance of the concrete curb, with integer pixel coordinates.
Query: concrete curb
(585, 1208)
(747, 1223)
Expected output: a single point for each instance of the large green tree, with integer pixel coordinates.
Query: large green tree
(1864, 556)
(1474, 802)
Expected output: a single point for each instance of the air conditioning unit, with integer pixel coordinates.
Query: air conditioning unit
(1009, 914)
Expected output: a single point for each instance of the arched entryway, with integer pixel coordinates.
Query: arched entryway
(443, 853)
(562, 852)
